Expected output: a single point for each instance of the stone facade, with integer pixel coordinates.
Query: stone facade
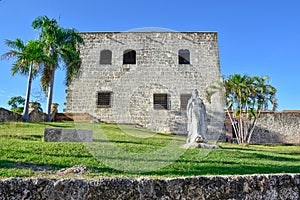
(274, 128)
(280, 186)
(157, 74)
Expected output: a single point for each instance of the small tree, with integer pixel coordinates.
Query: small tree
(28, 58)
(16, 104)
(245, 98)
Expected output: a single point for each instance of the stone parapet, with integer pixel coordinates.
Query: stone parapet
(258, 187)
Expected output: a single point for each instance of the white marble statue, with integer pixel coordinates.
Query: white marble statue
(197, 120)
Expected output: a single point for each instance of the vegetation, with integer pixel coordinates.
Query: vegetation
(23, 153)
(27, 62)
(56, 46)
(60, 45)
(16, 104)
(246, 97)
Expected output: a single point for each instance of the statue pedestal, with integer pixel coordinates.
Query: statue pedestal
(195, 145)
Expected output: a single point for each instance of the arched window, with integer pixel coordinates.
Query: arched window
(105, 57)
(129, 57)
(184, 56)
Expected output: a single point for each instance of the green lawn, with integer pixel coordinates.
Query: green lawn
(128, 151)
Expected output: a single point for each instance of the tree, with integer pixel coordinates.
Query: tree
(28, 58)
(245, 98)
(61, 48)
(16, 104)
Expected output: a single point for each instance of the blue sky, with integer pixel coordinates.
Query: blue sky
(256, 37)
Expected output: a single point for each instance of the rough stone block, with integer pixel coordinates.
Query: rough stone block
(285, 186)
(67, 135)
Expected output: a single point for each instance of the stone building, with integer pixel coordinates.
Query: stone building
(146, 78)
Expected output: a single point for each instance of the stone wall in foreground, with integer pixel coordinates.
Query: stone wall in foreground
(285, 186)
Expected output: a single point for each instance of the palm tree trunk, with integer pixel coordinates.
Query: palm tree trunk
(50, 94)
(26, 106)
(253, 127)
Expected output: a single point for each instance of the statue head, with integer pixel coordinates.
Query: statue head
(195, 94)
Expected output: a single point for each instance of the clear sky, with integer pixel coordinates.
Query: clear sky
(256, 37)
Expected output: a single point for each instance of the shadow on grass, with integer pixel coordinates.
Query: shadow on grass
(142, 142)
(7, 164)
(175, 169)
(24, 137)
(222, 170)
(249, 153)
(25, 153)
(61, 125)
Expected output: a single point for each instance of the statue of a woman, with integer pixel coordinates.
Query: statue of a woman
(197, 120)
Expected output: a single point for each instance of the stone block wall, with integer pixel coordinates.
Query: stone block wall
(7, 115)
(274, 128)
(156, 71)
(258, 187)
(278, 127)
(34, 115)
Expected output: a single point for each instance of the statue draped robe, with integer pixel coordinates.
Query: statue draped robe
(197, 120)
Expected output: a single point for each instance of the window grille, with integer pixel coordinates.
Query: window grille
(104, 99)
(160, 101)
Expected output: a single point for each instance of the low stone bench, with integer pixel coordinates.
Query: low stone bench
(67, 135)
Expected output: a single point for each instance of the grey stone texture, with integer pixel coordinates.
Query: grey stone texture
(67, 135)
(34, 115)
(278, 127)
(7, 115)
(157, 71)
(274, 128)
(256, 187)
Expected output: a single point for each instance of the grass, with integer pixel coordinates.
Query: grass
(132, 152)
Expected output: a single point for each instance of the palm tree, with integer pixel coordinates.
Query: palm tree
(28, 58)
(245, 98)
(61, 47)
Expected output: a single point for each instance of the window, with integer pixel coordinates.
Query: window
(104, 99)
(184, 98)
(160, 101)
(105, 57)
(129, 57)
(184, 56)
